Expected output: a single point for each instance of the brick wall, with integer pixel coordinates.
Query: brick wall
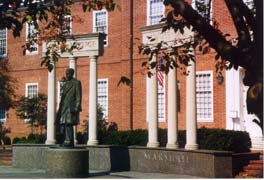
(113, 65)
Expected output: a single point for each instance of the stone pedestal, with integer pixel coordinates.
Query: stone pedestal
(67, 163)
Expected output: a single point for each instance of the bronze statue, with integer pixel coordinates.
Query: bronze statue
(70, 107)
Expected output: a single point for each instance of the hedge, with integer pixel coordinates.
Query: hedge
(211, 139)
(30, 139)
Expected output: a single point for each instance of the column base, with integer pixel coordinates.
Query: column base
(191, 146)
(153, 144)
(172, 146)
(92, 142)
(50, 141)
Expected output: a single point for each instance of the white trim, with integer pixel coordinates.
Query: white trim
(147, 100)
(212, 94)
(4, 55)
(27, 51)
(30, 84)
(106, 20)
(107, 109)
(58, 94)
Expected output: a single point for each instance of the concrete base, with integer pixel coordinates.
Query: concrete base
(67, 163)
(58, 162)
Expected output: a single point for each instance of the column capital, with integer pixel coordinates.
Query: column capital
(93, 57)
(72, 58)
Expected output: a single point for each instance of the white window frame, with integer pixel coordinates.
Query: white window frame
(27, 51)
(4, 55)
(69, 16)
(211, 10)
(31, 84)
(94, 27)
(148, 12)
(211, 119)
(3, 119)
(107, 109)
(163, 119)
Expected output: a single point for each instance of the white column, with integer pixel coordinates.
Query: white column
(72, 64)
(51, 112)
(172, 110)
(191, 123)
(93, 103)
(153, 108)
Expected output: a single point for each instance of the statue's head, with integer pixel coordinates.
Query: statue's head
(69, 73)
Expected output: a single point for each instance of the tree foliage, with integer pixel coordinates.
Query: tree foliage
(7, 86)
(33, 110)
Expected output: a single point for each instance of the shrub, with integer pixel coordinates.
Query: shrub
(211, 139)
(82, 138)
(18, 140)
(31, 139)
(226, 140)
(15, 140)
(6, 140)
(36, 138)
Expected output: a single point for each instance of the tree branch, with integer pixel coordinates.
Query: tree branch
(213, 36)
(234, 7)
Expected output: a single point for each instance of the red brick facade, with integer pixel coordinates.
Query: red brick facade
(113, 65)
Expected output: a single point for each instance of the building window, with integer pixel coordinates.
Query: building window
(161, 100)
(3, 42)
(2, 114)
(100, 23)
(31, 90)
(204, 8)
(31, 36)
(204, 96)
(66, 27)
(155, 11)
(102, 95)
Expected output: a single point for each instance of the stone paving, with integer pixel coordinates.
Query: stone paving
(7, 172)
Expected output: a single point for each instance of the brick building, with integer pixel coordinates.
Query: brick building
(219, 105)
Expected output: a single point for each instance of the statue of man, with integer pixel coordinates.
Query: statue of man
(70, 107)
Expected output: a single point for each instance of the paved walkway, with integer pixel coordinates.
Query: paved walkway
(11, 172)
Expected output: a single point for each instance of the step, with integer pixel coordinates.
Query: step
(5, 155)
(256, 162)
(255, 173)
(254, 167)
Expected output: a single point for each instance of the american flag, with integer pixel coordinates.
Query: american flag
(160, 75)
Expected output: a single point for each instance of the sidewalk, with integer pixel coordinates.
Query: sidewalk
(11, 172)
